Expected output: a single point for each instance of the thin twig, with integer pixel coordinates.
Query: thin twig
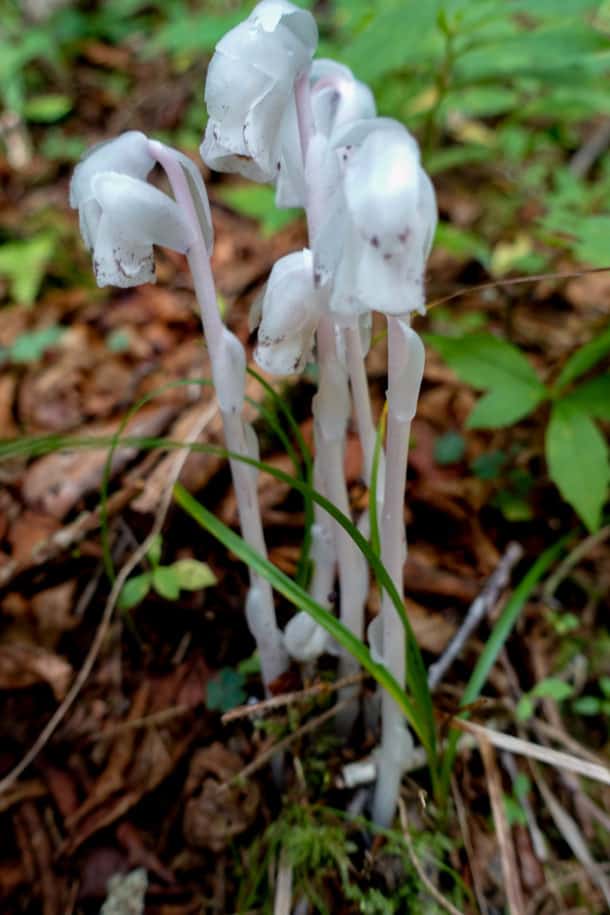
(470, 853)
(515, 281)
(512, 884)
(283, 744)
(148, 721)
(480, 607)
(49, 729)
(593, 147)
(534, 751)
(436, 894)
(572, 834)
(275, 702)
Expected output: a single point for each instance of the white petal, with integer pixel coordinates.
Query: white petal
(270, 14)
(89, 215)
(405, 391)
(290, 188)
(304, 639)
(428, 213)
(127, 154)
(219, 151)
(291, 309)
(137, 210)
(338, 97)
(120, 262)
(200, 198)
(382, 182)
(232, 86)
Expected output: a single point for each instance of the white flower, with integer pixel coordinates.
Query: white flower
(337, 98)
(376, 239)
(121, 216)
(290, 311)
(249, 89)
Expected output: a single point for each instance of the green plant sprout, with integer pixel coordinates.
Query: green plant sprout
(167, 581)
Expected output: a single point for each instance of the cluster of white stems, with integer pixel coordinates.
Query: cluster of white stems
(309, 128)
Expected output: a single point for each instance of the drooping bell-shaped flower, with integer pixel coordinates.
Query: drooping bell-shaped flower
(336, 99)
(375, 244)
(290, 311)
(121, 215)
(249, 89)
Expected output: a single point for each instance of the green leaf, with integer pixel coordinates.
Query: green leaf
(585, 358)
(225, 691)
(134, 590)
(462, 244)
(193, 575)
(525, 708)
(25, 264)
(592, 398)
(165, 582)
(449, 448)
(489, 466)
(154, 550)
(552, 688)
(577, 456)
(302, 601)
(48, 108)
(258, 202)
(488, 362)
(32, 345)
(587, 705)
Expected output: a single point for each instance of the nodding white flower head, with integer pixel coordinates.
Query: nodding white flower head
(290, 311)
(121, 215)
(337, 98)
(376, 240)
(249, 89)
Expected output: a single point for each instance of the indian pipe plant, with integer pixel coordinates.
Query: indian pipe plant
(310, 128)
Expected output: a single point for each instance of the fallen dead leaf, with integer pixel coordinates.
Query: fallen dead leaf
(23, 665)
(212, 818)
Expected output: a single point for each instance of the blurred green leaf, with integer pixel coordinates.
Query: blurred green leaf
(154, 550)
(552, 688)
(577, 455)
(449, 448)
(462, 244)
(32, 345)
(25, 264)
(488, 362)
(134, 590)
(489, 466)
(193, 575)
(585, 358)
(165, 582)
(225, 691)
(258, 202)
(46, 109)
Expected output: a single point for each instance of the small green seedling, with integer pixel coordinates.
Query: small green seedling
(166, 581)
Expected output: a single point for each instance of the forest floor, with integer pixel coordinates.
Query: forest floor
(138, 768)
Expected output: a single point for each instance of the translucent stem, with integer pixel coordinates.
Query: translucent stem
(228, 373)
(405, 368)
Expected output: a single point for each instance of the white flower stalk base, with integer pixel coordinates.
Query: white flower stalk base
(405, 370)
(228, 372)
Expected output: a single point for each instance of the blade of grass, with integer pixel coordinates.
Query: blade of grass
(417, 680)
(297, 596)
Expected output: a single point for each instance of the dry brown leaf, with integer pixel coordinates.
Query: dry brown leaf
(23, 665)
(212, 818)
(58, 481)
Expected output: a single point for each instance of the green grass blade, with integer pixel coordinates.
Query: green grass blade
(297, 596)
(417, 680)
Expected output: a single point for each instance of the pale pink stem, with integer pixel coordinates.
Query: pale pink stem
(261, 611)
